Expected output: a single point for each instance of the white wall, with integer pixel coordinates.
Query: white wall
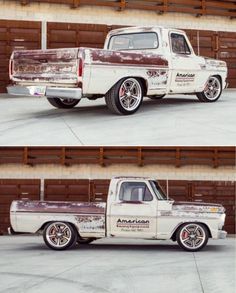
(98, 172)
(105, 15)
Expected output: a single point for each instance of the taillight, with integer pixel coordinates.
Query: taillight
(80, 69)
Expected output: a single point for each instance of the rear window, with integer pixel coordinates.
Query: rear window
(135, 41)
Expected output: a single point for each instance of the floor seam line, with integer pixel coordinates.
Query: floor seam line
(80, 141)
(199, 277)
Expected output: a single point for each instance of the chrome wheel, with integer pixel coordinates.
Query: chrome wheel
(59, 235)
(192, 236)
(130, 94)
(213, 88)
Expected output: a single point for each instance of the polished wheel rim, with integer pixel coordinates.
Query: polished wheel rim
(213, 88)
(130, 94)
(68, 102)
(192, 236)
(58, 234)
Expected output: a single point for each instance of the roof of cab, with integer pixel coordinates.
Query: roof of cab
(141, 29)
(133, 177)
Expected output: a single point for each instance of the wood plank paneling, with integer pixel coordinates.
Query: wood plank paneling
(104, 156)
(67, 189)
(16, 35)
(196, 7)
(65, 35)
(12, 189)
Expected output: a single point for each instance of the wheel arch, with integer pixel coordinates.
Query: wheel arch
(174, 232)
(143, 81)
(220, 78)
(69, 222)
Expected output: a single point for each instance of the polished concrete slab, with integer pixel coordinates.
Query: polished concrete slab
(175, 120)
(116, 266)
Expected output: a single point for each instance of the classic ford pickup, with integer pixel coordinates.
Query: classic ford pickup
(134, 63)
(135, 208)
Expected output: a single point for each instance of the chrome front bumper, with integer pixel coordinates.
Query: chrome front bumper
(222, 234)
(49, 92)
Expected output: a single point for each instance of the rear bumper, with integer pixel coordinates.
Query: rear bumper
(221, 234)
(49, 92)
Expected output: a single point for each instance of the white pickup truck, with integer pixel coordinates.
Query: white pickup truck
(134, 63)
(135, 208)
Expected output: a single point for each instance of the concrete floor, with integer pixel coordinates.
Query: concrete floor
(176, 120)
(116, 266)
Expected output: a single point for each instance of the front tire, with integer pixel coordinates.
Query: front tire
(125, 97)
(59, 235)
(63, 103)
(212, 91)
(192, 236)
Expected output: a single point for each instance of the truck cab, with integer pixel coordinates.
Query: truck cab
(132, 210)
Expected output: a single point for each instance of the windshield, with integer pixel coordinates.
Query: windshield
(134, 41)
(158, 191)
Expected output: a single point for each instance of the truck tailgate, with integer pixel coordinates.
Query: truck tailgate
(57, 66)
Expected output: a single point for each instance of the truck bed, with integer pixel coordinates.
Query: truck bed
(29, 216)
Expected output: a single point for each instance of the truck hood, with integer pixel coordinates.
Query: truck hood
(200, 207)
(215, 63)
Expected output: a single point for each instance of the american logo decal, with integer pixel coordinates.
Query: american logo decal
(183, 77)
(132, 223)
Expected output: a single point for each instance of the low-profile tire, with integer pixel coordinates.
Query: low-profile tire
(63, 103)
(158, 97)
(212, 91)
(59, 235)
(192, 236)
(85, 240)
(125, 97)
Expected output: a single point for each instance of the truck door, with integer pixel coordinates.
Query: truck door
(134, 212)
(185, 65)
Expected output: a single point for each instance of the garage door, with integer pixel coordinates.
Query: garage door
(67, 190)
(16, 35)
(227, 52)
(66, 35)
(222, 192)
(218, 45)
(11, 189)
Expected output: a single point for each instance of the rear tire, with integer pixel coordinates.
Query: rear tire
(125, 97)
(59, 235)
(212, 91)
(156, 97)
(192, 236)
(63, 103)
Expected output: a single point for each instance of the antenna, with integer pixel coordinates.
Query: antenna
(198, 44)
(167, 188)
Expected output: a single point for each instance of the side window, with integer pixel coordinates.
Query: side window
(135, 191)
(179, 44)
